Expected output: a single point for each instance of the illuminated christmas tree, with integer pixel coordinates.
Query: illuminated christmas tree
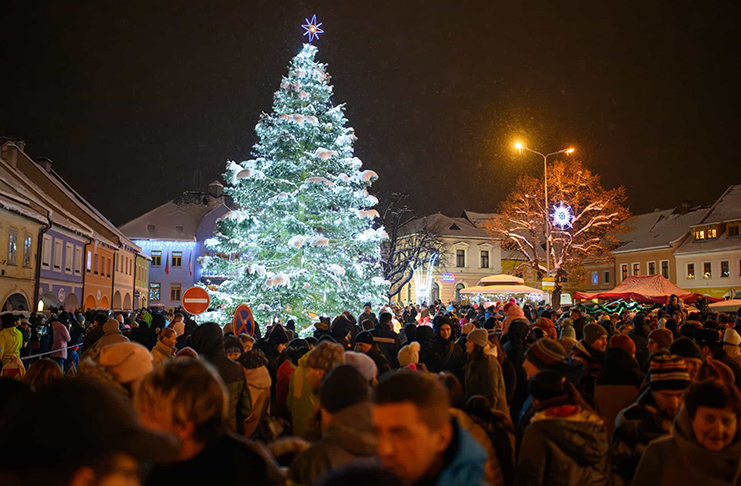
(304, 228)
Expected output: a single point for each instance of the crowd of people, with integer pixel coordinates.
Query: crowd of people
(505, 394)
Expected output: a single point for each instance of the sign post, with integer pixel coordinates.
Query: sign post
(196, 300)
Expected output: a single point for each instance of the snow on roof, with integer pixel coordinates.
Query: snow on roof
(446, 226)
(658, 229)
(175, 220)
(477, 218)
(726, 208)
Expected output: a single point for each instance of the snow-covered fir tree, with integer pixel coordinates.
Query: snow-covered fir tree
(304, 229)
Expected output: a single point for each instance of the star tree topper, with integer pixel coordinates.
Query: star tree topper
(312, 28)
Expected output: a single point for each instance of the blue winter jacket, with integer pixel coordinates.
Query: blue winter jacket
(466, 466)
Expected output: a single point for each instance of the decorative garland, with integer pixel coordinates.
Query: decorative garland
(619, 306)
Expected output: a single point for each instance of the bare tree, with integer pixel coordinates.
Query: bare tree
(595, 215)
(411, 243)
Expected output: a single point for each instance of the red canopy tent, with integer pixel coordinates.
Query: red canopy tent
(650, 289)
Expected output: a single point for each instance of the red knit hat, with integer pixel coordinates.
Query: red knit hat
(622, 341)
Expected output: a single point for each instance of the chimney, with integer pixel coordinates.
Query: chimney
(685, 207)
(215, 189)
(10, 151)
(44, 162)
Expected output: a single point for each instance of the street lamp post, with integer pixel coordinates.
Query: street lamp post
(566, 151)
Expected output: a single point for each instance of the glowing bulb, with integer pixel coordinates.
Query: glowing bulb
(518, 146)
(570, 150)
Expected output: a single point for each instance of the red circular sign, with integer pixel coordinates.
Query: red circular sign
(243, 321)
(196, 300)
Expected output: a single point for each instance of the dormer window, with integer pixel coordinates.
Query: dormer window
(454, 227)
(150, 228)
(179, 230)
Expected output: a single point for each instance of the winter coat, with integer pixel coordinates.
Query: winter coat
(11, 342)
(463, 462)
(258, 382)
(302, 402)
(515, 349)
(387, 341)
(363, 316)
(579, 328)
(564, 446)
(92, 336)
(635, 427)
(678, 460)
(510, 379)
(639, 335)
(620, 369)
(493, 470)
(283, 379)
(447, 356)
(378, 357)
(484, 377)
(226, 461)
(208, 341)
(61, 338)
(161, 353)
(349, 437)
(592, 360)
(111, 335)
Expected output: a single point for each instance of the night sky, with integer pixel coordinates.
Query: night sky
(138, 101)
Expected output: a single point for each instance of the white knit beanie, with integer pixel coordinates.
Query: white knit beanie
(409, 354)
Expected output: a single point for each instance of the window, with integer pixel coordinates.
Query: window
(156, 258)
(99, 269)
(712, 233)
(623, 271)
(46, 252)
(78, 260)
(179, 229)
(154, 291)
(636, 269)
(664, 268)
(725, 269)
(58, 254)
(690, 271)
(458, 289)
(177, 261)
(12, 246)
(699, 234)
(733, 230)
(707, 270)
(108, 273)
(69, 258)
(460, 258)
(651, 268)
(27, 249)
(606, 277)
(175, 291)
(484, 259)
(595, 278)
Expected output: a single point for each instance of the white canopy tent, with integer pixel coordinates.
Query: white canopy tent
(501, 285)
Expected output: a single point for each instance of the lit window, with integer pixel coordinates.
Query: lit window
(712, 233)
(636, 269)
(595, 278)
(27, 249)
(12, 246)
(156, 259)
(89, 261)
(725, 268)
(690, 271)
(154, 291)
(177, 261)
(707, 270)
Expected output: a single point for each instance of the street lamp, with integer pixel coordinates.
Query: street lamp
(520, 147)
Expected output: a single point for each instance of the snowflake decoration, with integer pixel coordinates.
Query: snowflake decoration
(562, 216)
(313, 29)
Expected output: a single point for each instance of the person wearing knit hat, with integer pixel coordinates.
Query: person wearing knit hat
(689, 352)
(512, 312)
(548, 327)
(479, 337)
(621, 341)
(659, 339)
(711, 346)
(591, 352)
(483, 373)
(568, 338)
(467, 328)
(364, 364)
(409, 355)
(712, 369)
(347, 431)
(544, 354)
(364, 343)
(731, 343)
(121, 364)
(651, 416)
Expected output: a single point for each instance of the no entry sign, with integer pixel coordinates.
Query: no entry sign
(196, 300)
(243, 320)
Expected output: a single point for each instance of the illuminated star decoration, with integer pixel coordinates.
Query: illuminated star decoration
(562, 216)
(312, 28)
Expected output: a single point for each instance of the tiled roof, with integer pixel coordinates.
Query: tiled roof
(658, 229)
(446, 226)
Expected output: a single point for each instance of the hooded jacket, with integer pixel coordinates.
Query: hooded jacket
(564, 449)
(208, 341)
(484, 377)
(161, 353)
(349, 437)
(463, 461)
(111, 335)
(258, 381)
(592, 360)
(61, 338)
(11, 342)
(678, 460)
(635, 427)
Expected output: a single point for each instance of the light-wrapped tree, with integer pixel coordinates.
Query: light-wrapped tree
(304, 229)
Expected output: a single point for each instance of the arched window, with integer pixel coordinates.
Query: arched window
(458, 289)
(435, 292)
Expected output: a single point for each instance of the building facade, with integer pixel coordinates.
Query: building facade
(469, 255)
(709, 260)
(172, 237)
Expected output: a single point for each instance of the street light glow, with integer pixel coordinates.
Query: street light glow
(570, 150)
(518, 146)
